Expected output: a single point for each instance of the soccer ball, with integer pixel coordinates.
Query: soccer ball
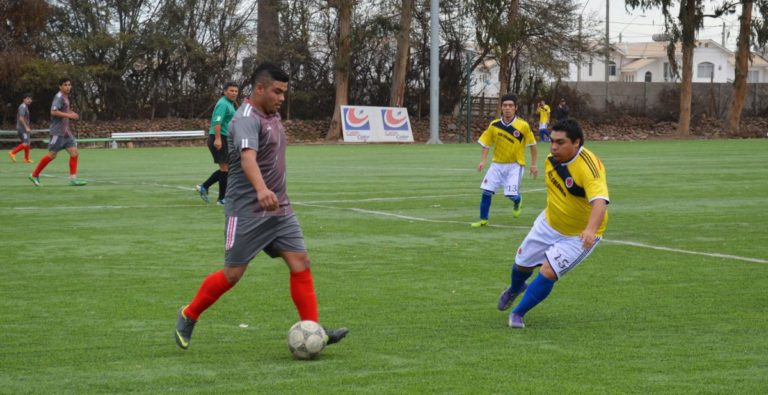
(306, 339)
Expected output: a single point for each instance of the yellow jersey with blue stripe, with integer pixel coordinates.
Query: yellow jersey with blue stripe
(508, 139)
(571, 186)
(544, 112)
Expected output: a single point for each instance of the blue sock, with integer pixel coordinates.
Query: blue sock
(537, 291)
(514, 198)
(485, 204)
(518, 278)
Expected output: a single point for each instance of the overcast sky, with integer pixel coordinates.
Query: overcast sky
(636, 28)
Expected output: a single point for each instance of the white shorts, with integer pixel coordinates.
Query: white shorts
(542, 126)
(505, 175)
(544, 243)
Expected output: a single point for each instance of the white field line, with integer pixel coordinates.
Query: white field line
(384, 214)
(622, 242)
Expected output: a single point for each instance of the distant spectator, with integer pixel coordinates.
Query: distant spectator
(562, 110)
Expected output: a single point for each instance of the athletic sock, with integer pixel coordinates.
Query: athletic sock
(485, 204)
(537, 291)
(210, 291)
(303, 295)
(40, 166)
(26, 152)
(223, 185)
(214, 178)
(17, 149)
(73, 166)
(514, 198)
(518, 278)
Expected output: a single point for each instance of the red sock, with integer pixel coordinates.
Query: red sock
(17, 149)
(73, 166)
(211, 289)
(26, 152)
(303, 295)
(40, 166)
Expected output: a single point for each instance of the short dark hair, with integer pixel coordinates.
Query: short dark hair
(63, 80)
(229, 84)
(508, 97)
(571, 128)
(268, 72)
(27, 95)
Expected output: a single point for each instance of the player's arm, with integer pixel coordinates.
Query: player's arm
(216, 120)
(534, 158)
(24, 123)
(596, 217)
(267, 198)
(483, 158)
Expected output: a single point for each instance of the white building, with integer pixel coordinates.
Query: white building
(648, 62)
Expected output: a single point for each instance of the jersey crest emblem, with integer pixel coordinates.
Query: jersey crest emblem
(569, 182)
(516, 134)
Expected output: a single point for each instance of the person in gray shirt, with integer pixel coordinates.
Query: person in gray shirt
(259, 216)
(23, 128)
(62, 137)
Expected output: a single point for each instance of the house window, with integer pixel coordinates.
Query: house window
(753, 76)
(590, 69)
(612, 69)
(705, 70)
(648, 76)
(667, 72)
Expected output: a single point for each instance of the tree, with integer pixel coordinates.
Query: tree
(682, 29)
(397, 90)
(268, 33)
(343, 64)
(733, 119)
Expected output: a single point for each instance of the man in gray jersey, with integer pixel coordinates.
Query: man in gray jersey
(259, 216)
(23, 128)
(61, 135)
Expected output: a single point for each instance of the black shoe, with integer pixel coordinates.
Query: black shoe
(335, 335)
(184, 327)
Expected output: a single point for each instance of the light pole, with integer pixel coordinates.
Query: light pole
(630, 24)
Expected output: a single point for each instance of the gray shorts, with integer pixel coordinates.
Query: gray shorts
(59, 143)
(23, 135)
(244, 237)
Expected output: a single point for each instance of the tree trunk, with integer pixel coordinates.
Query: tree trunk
(397, 91)
(687, 15)
(344, 8)
(742, 67)
(505, 60)
(268, 34)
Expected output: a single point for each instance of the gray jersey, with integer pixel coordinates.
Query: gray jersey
(22, 113)
(250, 129)
(59, 125)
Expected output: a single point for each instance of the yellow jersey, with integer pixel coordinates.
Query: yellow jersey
(571, 187)
(544, 112)
(508, 139)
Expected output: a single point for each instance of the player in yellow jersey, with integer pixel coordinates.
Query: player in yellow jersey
(544, 115)
(508, 136)
(568, 229)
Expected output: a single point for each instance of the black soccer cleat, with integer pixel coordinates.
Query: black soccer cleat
(335, 335)
(184, 327)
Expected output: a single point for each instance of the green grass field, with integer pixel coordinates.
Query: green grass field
(673, 301)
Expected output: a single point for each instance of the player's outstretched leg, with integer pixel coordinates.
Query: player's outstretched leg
(335, 335)
(184, 328)
(508, 297)
(517, 208)
(203, 191)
